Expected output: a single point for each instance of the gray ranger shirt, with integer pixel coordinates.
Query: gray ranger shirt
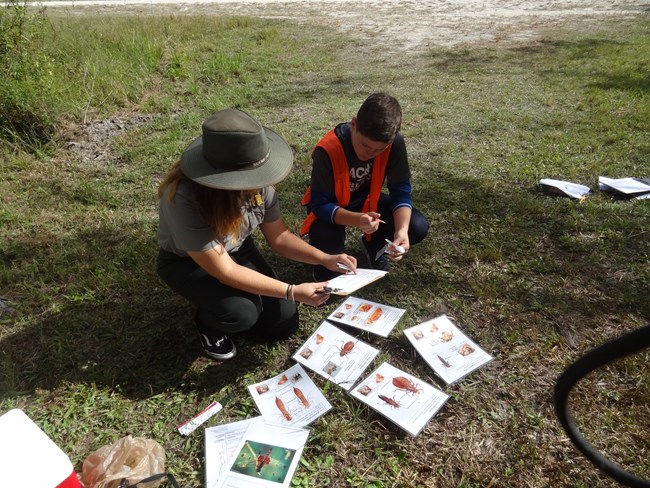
(182, 229)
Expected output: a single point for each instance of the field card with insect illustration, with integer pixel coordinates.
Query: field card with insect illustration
(335, 355)
(366, 315)
(400, 397)
(290, 398)
(449, 352)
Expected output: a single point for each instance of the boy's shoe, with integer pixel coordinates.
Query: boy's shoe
(382, 263)
(218, 347)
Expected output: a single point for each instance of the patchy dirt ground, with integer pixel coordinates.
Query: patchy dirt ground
(402, 27)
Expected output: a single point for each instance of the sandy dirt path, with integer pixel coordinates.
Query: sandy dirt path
(399, 25)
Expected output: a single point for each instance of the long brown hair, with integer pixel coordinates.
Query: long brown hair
(221, 209)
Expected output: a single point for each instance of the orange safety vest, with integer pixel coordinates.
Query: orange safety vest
(334, 149)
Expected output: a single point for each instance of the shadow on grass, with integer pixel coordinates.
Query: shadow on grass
(635, 80)
(472, 60)
(632, 75)
(133, 335)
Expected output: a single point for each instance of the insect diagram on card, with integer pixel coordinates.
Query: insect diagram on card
(285, 413)
(444, 362)
(301, 396)
(404, 384)
(391, 401)
(345, 348)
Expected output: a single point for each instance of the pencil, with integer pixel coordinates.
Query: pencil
(381, 221)
(326, 290)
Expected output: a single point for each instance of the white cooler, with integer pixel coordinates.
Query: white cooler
(29, 458)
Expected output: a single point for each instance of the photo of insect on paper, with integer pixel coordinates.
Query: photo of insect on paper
(252, 453)
(263, 461)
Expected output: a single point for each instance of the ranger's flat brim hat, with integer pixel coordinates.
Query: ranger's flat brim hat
(235, 152)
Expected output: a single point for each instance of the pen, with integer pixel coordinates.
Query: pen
(399, 249)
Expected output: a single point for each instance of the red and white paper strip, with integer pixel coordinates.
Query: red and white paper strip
(191, 425)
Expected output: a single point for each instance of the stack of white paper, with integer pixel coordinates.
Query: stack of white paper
(629, 187)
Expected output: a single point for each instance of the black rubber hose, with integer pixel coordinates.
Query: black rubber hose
(627, 344)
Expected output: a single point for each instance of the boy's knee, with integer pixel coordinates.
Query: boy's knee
(418, 229)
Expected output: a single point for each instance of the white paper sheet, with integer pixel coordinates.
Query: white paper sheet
(567, 188)
(264, 454)
(221, 443)
(627, 186)
(349, 283)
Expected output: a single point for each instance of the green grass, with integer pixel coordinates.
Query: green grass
(98, 347)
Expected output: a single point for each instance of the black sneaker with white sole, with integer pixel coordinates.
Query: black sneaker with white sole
(218, 347)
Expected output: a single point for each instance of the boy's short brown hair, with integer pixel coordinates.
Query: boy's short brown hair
(380, 117)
